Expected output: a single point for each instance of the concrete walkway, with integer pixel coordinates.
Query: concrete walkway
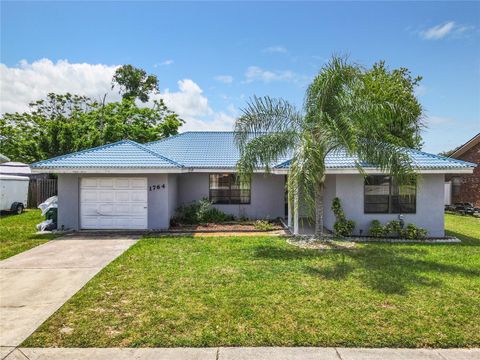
(260, 353)
(35, 283)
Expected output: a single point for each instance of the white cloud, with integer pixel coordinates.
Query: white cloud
(189, 101)
(164, 63)
(439, 31)
(448, 29)
(221, 122)
(32, 81)
(226, 79)
(28, 82)
(275, 50)
(255, 73)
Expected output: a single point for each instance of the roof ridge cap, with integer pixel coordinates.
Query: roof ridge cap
(144, 148)
(164, 139)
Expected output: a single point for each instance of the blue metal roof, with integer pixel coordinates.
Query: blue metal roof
(121, 154)
(207, 149)
(200, 149)
(420, 160)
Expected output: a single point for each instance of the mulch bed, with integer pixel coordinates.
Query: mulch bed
(248, 226)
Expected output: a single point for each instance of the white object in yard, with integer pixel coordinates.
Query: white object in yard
(51, 202)
(113, 203)
(44, 224)
(448, 193)
(15, 168)
(13, 192)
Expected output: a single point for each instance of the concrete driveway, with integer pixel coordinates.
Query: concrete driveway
(35, 283)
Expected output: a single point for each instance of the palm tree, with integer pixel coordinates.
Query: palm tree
(336, 116)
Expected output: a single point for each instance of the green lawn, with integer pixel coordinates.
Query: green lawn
(17, 233)
(256, 291)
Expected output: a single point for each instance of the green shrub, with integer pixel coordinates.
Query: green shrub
(377, 229)
(342, 226)
(200, 212)
(413, 232)
(263, 225)
(213, 215)
(393, 228)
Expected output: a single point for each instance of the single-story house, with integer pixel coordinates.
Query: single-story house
(126, 185)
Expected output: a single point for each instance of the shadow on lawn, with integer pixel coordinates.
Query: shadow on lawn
(466, 240)
(386, 270)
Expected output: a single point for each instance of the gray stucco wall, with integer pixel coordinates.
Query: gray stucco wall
(328, 196)
(429, 215)
(172, 194)
(158, 202)
(68, 201)
(267, 195)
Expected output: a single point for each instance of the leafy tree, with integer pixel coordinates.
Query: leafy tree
(396, 87)
(340, 113)
(134, 83)
(66, 123)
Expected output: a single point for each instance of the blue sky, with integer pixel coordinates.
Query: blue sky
(210, 57)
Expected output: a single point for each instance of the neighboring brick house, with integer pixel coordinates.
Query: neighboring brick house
(466, 187)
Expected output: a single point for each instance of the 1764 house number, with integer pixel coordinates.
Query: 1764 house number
(156, 187)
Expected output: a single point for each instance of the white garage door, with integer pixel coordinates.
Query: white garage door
(113, 203)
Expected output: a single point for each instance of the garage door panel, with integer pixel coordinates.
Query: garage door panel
(137, 209)
(130, 223)
(114, 203)
(138, 183)
(105, 183)
(88, 195)
(123, 209)
(122, 183)
(123, 195)
(88, 209)
(138, 196)
(89, 222)
(89, 182)
(106, 196)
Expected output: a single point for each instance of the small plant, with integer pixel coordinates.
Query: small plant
(393, 228)
(199, 212)
(412, 232)
(377, 229)
(342, 226)
(263, 225)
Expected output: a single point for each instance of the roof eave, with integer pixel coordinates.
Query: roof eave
(373, 171)
(277, 171)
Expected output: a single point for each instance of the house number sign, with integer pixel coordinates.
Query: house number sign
(156, 187)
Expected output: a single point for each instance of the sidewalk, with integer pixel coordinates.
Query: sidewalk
(243, 353)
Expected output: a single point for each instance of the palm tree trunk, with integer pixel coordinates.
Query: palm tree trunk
(319, 210)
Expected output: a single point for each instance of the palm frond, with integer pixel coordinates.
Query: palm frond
(266, 115)
(265, 150)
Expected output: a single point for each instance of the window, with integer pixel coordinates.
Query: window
(383, 195)
(227, 189)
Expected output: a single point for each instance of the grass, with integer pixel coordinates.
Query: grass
(17, 233)
(233, 291)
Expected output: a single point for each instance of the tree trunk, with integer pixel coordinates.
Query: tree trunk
(319, 210)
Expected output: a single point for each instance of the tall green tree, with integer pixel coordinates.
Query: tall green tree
(66, 123)
(135, 83)
(343, 110)
(396, 87)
